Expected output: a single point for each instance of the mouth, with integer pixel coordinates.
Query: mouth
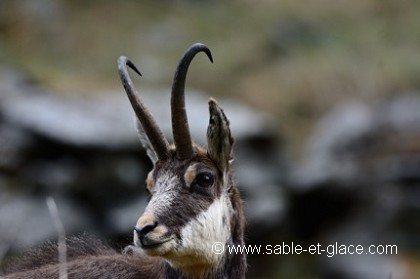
(151, 243)
(157, 242)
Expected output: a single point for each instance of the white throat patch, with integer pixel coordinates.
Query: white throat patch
(199, 234)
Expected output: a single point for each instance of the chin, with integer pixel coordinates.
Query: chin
(159, 249)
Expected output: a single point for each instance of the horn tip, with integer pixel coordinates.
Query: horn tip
(124, 60)
(212, 101)
(205, 49)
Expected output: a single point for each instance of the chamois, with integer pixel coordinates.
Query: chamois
(193, 202)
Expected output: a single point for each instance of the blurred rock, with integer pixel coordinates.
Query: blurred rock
(106, 120)
(122, 218)
(333, 149)
(26, 221)
(364, 266)
(13, 142)
(94, 122)
(356, 139)
(401, 114)
(359, 182)
(260, 168)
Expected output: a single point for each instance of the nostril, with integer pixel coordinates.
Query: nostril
(145, 229)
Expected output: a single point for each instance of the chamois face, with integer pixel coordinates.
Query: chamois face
(190, 188)
(189, 210)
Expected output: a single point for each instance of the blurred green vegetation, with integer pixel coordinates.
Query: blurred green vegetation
(293, 59)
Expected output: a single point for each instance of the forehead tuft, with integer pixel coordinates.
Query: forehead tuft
(201, 155)
(186, 169)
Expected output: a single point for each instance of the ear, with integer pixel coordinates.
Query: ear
(219, 139)
(146, 143)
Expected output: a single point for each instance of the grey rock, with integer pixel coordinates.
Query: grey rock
(122, 219)
(363, 162)
(13, 142)
(25, 221)
(364, 266)
(401, 114)
(262, 194)
(331, 153)
(101, 122)
(106, 120)
(357, 140)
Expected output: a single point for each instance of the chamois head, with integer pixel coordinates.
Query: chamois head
(193, 200)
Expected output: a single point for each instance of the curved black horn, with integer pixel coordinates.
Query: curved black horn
(180, 129)
(157, 139)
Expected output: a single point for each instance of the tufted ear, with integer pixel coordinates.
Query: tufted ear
(219, 139)
(146, 143)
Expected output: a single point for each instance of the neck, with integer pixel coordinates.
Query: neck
(232, 266)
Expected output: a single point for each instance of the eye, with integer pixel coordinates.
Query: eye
(204, 179)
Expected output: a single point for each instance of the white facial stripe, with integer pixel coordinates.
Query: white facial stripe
(200, 233)
(164, 192)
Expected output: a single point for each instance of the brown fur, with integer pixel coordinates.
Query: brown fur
(107, 264)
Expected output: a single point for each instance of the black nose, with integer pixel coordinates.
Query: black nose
(145, 229)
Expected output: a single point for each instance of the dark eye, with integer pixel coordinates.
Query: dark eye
(204, 179)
